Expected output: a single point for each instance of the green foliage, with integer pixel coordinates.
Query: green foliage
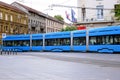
(59, 17)
(69, 28)
(117, 11)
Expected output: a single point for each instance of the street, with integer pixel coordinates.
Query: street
(59, 66)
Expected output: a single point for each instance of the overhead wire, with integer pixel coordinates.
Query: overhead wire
(56, 5)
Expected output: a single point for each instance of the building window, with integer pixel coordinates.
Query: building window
(25, 22)
(0, 28)
(100, 12)
(11, 18)
(29, 21)
(0, 15)
(6, 17)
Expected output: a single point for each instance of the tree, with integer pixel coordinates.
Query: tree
(69, 28)
(117, 11)
(59, 17)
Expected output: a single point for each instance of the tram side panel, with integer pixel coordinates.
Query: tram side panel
(37, 42)
(17, 42)
(59, 41)
(79, 41)
(105, 40)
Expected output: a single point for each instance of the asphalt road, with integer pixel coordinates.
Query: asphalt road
(59, 66)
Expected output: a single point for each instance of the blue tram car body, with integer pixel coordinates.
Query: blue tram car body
(106, 39)
(57, 41)
(79, 40)
(37, 42)
(18, 42)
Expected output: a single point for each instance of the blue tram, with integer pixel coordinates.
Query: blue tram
(105, 39)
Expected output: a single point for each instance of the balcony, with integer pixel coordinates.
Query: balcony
(106, 19)
(34, 25)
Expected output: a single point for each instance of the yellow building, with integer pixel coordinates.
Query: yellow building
(12, 20)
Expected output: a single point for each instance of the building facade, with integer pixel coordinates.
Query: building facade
(36, 21)
(39, 22)
(53, 25)
(12, 20)
(96, 13)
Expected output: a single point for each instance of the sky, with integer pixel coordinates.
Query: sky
(43, 6)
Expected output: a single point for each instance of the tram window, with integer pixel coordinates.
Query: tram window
(76, 41)
(66, 41)
(22, 43)
(57, 42)
(7, 43)
(106, 40)
(36, 42)
(117, 39)
(26, 43)
(79, 41)
(15, 43)
(48, 42)
(54, 42)
(83, 41)
(92, 41)
(101, 40)
(10, 43)
(109, 40)
(4, 43)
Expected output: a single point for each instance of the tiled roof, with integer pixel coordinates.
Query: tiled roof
(30, 9)
(38, 12)
(8, 6)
